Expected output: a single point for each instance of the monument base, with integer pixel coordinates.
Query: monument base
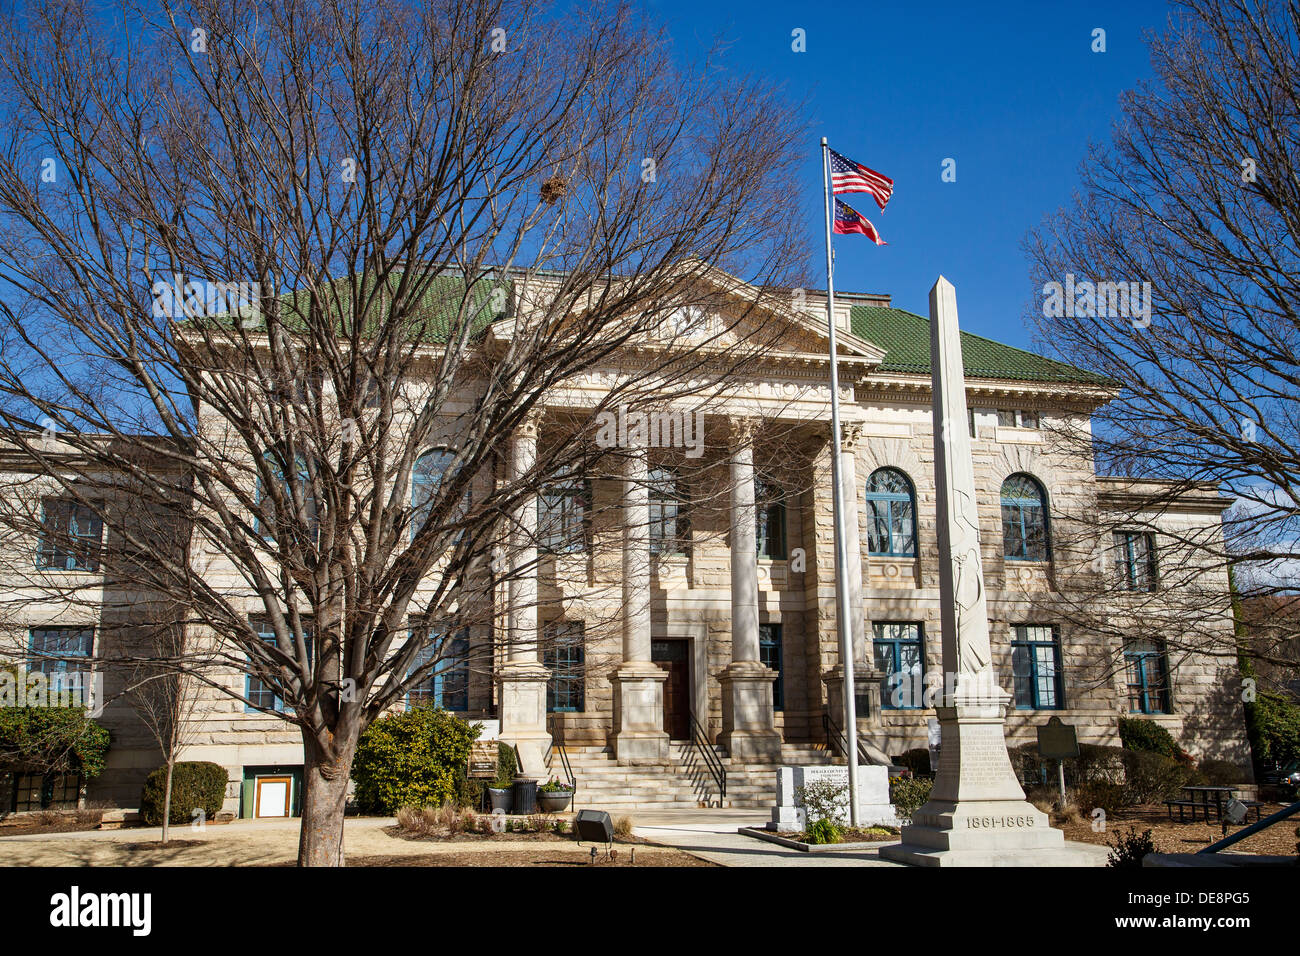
(977, 814)
(874, 808)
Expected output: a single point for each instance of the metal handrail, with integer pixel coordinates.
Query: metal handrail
(1255, 827)
(833, 732)
(700, 740)
(568, 770)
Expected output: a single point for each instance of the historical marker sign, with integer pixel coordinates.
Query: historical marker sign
(1057, 740)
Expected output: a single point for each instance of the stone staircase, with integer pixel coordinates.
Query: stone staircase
(684, 783)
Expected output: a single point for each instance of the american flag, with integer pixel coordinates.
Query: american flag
(850, 177)
(848, 219)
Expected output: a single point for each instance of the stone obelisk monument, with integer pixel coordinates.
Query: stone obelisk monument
(977, 814)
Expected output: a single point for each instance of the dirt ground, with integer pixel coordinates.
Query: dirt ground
(368, 842)
(1175, 837)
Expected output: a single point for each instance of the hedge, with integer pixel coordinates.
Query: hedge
(411, 759)
(52, 740)
(195, 784)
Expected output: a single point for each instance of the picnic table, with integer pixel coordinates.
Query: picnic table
(1199, 797)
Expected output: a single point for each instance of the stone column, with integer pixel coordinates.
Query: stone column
(523, 677)
(977, 814)
(639, 736)
(866, 679)
(748, 728)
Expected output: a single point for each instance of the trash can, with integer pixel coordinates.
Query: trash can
(525, 795)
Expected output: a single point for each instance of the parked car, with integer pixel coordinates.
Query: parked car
(1282, 775)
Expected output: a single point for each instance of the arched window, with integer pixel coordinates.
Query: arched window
(1024, 520)
(266, 520)
(891, 510)
(426, 476)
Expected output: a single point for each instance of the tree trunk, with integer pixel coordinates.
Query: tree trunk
(325, 790)
(167, 800)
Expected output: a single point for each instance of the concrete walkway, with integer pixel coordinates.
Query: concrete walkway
(711, 834)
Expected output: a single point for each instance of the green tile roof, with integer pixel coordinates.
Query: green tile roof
(905, 337)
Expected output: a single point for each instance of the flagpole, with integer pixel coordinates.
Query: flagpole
(842, 618)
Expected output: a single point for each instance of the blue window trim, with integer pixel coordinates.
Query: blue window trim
(1014, 512)
(563, 528)
(1130, 559)
(68, 656)
(565, 655)
(893, 647)
(770, 516)
(303, 478)
(668, 504)
(75, 541)
(447, 687)
(881, 506)
(1138, 662)
(771, 654)
(1033, 647)
(430, 479)
(255, 685)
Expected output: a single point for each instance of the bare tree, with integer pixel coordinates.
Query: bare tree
(441, 214)
(1175, 275)
(164, 692)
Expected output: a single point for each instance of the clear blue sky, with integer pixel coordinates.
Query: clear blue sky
(1011, 91)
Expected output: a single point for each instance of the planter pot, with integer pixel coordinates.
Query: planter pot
(555, 801)
(502, 800)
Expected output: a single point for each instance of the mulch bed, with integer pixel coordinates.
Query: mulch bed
(30, 827)
(1175, 837)
(534, 856)
(467, 836)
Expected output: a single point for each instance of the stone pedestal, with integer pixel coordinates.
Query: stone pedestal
(639, 736)
(748, 731)
(866, 683)
(977, 814)
(523, 713)
(874, 808)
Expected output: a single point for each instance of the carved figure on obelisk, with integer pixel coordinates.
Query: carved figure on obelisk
(964, 607)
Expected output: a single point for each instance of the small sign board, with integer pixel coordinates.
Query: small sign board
(1057, 740)
(482, 760)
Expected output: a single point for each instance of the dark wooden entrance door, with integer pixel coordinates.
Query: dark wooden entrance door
(673, 657)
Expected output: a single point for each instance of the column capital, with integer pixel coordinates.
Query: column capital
(530, 425)
(851, 435)
(740, 432)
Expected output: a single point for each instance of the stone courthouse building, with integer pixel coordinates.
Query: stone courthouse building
(681, 623)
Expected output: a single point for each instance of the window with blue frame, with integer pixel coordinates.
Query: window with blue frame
(62, 654)
(899, 648)
(1135, 560)
(266, 520)
(1146, 673)
(769, 652)
(71, 534)
(565, 655)
(260, 695)
(426, 477)
(562, 509)
(446, 686)
(1024, 520)
(1036, 668)
(769, 501)
(891, 514)
(670, 526)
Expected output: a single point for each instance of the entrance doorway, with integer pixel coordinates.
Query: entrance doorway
(674, 657)
(272, 796)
